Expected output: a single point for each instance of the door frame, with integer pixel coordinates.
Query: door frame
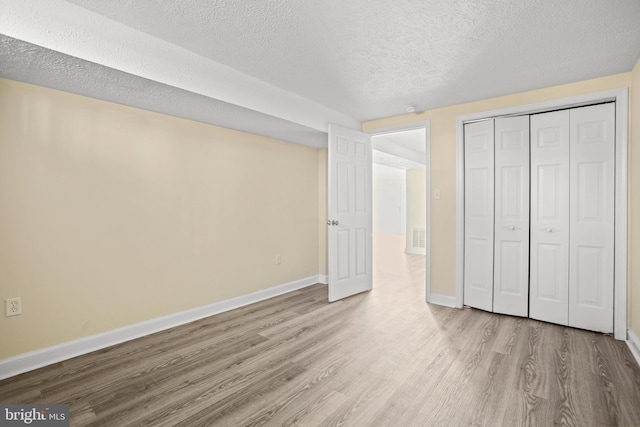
(621, 98)
(426, 125)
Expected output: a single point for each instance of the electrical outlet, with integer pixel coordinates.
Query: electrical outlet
(278, 259)
(13, 306)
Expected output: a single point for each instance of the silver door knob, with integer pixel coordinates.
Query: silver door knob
(335, 222)
(549, 230)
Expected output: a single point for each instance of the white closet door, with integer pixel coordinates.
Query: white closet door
(592, 217)
(549, 267)
(478, 213)
(511, 253)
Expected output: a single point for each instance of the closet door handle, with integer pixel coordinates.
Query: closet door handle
(511, 227)
(549, 230)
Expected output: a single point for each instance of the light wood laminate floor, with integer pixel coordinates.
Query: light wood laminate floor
(383, 358)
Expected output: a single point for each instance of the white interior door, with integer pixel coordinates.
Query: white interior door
(478, 214)
(511, 245)
(592, 217)
(549, 282)
(349, 213)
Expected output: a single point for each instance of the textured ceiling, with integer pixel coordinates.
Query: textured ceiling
(414, 140)
(28, 63)
(369, 58)
(263, 66)
(386, 159)
(409, 145)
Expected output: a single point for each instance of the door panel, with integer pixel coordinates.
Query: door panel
(349, 176)
(479, 197)
(508, 281)
(361, 251)
(511, 259)
(343, 251)
(549, 263)
(479, 207)
(591, 256)
(549, 190)
(549, 271)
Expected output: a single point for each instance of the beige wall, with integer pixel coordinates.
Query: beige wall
(443, 162)
(111, 215)
(416, 203)
(634, 202)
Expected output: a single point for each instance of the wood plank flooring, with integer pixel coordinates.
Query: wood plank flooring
(383, 358)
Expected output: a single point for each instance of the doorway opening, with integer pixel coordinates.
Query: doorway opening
(400, 210)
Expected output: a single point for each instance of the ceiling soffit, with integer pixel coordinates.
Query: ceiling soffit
(60, 26)
(314, 63)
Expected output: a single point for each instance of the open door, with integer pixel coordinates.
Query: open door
(349, 213)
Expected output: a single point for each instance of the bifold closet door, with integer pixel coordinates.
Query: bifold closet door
(478, 214)
(572, 217)
(592, 188)
(511, 227)
(549, 263)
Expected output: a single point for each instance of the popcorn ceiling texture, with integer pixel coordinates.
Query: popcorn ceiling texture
(369, 58)
(287, 68)
(33, 64)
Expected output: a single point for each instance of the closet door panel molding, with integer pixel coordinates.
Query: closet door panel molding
(549, 262)
(511, 263)
(591, 259)
(479, 215)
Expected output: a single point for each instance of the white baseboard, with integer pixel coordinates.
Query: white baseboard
(439, 299)
(415, 251)
(323, 278)
(46, 356)
(633, 342)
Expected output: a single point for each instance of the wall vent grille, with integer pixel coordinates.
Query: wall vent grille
(419, 237)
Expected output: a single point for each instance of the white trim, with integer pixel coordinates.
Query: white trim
(323, 278)
(620, 246)
(444, 300)
(460, 120)
(426, 125)
(633, 342)
(415, 251)
(46, 356)
(620, 96)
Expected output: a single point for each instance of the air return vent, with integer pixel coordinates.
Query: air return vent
(419, 237)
